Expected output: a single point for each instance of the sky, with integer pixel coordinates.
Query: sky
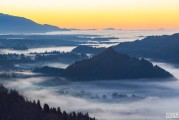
(98, 14)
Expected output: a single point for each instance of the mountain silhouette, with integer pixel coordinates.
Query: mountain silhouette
(87, 49)
(109, 29)
(163, 48)
(113, 65)
(15, 24)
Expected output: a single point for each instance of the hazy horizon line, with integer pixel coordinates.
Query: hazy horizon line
(79, 28)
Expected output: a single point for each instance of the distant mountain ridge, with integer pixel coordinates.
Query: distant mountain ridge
(109, 29)
(87, 49)
(15, 24)
(163, 48)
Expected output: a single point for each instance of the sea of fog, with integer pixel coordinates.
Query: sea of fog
(38, 50)
(140, 99)
(147, 99)
(121, 35)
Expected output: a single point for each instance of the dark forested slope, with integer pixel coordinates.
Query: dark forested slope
(113, 65)
(165, 48)
(87, 49)
(13, 106)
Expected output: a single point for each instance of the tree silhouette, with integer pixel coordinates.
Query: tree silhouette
(13, 106)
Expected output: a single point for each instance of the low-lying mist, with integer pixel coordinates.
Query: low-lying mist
(105, 100)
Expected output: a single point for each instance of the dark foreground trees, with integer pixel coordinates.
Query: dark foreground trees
(14, 106)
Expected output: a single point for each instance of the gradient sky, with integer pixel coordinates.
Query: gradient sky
(125, 14)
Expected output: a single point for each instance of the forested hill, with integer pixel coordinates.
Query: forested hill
(165, 48)
(14, 106)
(87, 49)
(113, 65)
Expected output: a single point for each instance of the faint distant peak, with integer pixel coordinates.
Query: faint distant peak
(111, 29)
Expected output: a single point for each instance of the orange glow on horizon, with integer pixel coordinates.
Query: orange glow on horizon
(98, 14)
